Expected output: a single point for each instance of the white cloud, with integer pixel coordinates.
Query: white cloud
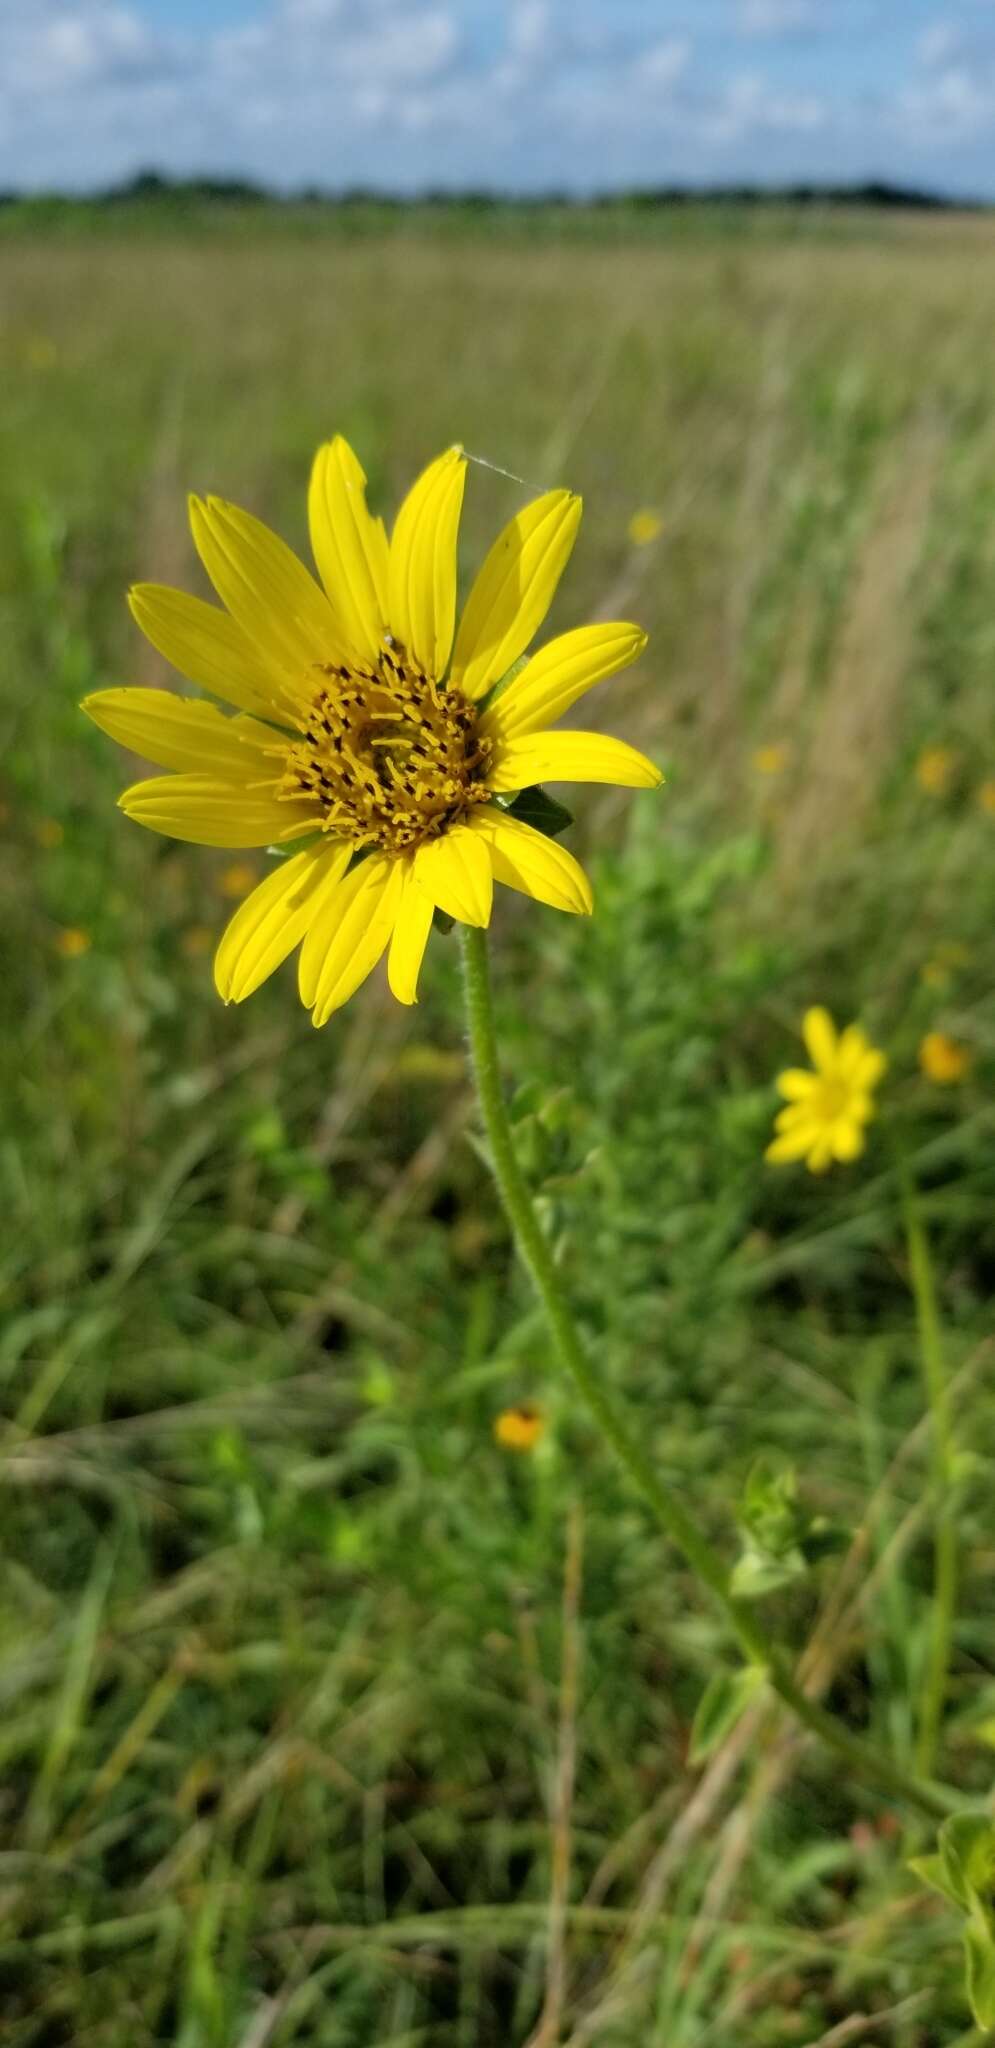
(404, 93)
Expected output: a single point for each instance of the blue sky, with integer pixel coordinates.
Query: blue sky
(516, 94)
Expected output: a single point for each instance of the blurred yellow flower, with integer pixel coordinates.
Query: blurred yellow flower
(829, 1107)
(519, 1429)
(943, 1060)
(237, 879)
(644, 527)
(49, 833)
(771, 760)
(70, 943)
(935, 770)
(986, 796)
(197, 941)
(368, 724)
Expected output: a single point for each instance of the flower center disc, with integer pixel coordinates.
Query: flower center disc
(393, 757)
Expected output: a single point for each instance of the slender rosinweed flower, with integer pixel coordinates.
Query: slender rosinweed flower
(368, 725)
(828, 1108)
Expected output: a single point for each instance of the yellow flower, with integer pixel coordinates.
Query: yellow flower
(943, 1060)
(986, 795)
(771, 760)
(934, 770)
(645, 526)
(519, 1429)
(71, 944)
(368, 725)
(237, 879)
(828, 1108)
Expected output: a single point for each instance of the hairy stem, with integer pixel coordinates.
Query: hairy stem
(675, 1519)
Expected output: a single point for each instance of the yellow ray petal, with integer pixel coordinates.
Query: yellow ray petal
(796, 1082)
(525, 859)
(349, 935)
(558, 675)
(422, 589)
(209, 812)
(848, 1139)
(791, 1145)
(266, 589)
(869, 1070)
(207, 646)
(456, 873)
(819, 1033)
(569, 757)
(349, 546)
(274, 919)
(514, 590)
(182, 732)
(410, 937)
(820, 1158)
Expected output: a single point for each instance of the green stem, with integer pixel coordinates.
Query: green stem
(944, 1527)
(674, 1517)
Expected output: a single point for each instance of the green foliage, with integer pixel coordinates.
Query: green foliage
(282, 1625)
(963, 1871)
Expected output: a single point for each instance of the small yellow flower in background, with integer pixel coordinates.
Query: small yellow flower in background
(519, 1429)
(771, 760)
(986, 796)
(71, 944)
(935, 770)
(943, 1060)
(369, 724)
(645, 526)
(828, 1108)
(49, 833)
(237, 879)
(197, 941)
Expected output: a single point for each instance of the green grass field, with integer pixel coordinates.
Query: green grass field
(326, 1719)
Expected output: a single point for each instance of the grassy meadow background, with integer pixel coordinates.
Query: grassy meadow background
(310, 1690)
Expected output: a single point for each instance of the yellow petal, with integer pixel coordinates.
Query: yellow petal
(267, 590)
(819, 1033)
(274, 919)
(569, 757)
(207, 646)
(209, 812)
(791, 1145)
(795, 1083)
(820, 1157)
(558, 675)
(422, 589)
(514, 590)
(847, 1138)
(353, 933)
(797, 1116)
(456, 873)
(182, 732)
(410, 937)
(525, 859)
(869, 1070)
(349, 546)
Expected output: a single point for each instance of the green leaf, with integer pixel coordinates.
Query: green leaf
(979, 1957)
(967, 1852)
(536, 808)
(723, 1701)
(929, 1869)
